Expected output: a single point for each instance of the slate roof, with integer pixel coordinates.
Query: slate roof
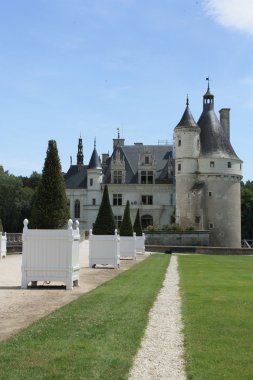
(94, 161)
(213, 140)
(133, 153)
(187, 119)
(76, 177)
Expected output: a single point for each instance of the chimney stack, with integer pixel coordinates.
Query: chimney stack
(225, 121)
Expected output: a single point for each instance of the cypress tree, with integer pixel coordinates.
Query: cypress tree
(105, 221)
(50, 209)
(1, 225)
(137, 224)
(126, 228)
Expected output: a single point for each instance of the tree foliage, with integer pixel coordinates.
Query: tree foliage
(137, 224)
(105, 221)
(15, 201)
(126, 228)
(50, 209)
(247, 209)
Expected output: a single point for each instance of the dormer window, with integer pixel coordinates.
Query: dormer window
(117, 176)
(211, 164)
(147, 177)
(146, 160)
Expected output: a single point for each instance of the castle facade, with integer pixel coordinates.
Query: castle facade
(194, 182)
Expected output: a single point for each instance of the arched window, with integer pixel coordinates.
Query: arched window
(77, 209)
(146, 220)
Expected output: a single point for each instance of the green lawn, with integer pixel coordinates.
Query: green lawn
(217, 293)
(94, 337)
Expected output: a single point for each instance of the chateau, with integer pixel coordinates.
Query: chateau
(194, 182)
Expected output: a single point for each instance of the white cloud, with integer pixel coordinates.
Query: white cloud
(236, 14)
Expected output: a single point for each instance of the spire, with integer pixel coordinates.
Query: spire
(80, 151)
(187, 119)
(94, 160)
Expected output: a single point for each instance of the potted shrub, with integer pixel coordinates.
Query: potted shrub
(51, 253)
(2, 241)
(140, 237)
(127, 236)
(104, 239)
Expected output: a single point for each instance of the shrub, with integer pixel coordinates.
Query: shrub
(50, 209)
(126, 228)
(137, 224)
(105, 221)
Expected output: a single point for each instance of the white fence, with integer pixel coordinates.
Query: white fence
(2, 245)
(51, 255)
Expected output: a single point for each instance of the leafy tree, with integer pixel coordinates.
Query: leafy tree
(126, 228)
(50, 209)
(137, 224)
(105, 221)
(247, 209)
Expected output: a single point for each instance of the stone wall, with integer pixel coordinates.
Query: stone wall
(180, 238)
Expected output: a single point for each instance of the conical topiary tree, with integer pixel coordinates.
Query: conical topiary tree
(50, 209)
(105, 221)
(1, 225)
(126, 228)
(137, 224)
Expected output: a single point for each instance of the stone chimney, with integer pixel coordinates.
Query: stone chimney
(225, 121)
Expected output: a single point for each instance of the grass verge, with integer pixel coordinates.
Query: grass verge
(217, 295)
(94, 337)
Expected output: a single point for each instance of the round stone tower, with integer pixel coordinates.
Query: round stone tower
(187, 149)
(220, 172)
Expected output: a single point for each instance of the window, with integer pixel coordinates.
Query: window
(211, 226)
(118, 219)
(77, 209)
(229, 164)
(179, 167)
(91, 181)
(93, 201)
(146, 160)
(147, 177)
(211, 164)
(171, 199)
(117, 176)
(147, 199)
(117, 200)
(179, 142)
(197, 219)
(146, 220)
(210, 194)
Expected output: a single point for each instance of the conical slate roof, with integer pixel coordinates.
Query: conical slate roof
(213, 139)
(94, 161)
(187, 119)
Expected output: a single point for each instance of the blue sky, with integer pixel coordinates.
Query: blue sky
(92, 66)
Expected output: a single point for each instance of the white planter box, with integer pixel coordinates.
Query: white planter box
(3, 239)
(128, 247)
(51, 255)
(104, 249)
(140, 244)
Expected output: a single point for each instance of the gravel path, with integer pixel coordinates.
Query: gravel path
(160, 355)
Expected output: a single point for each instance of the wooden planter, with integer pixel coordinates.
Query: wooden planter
(3, 240)
(140, 244)
(104, 250)
(128, 247)
(51, 256)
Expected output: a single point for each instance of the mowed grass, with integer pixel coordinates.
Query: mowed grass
(217, 294)
(94, 337)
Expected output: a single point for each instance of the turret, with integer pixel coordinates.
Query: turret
(94, 172)
(187, 146)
